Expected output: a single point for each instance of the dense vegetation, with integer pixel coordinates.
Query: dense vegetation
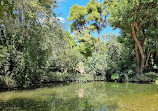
(35, 48)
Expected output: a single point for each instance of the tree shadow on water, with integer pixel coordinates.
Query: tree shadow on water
(21, 104)
(55, 104)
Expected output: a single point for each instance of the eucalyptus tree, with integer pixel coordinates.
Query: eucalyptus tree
(131, 16)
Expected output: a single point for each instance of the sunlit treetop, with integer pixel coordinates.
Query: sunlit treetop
(133, 16)
(77, 13)
(122, 11)
(95, 11)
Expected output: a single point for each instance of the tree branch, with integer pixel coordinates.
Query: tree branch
(119, 26)
(140, 6)
(147, 14)
(146, 64)
(135, 12)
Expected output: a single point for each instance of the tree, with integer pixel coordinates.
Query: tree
(85, 43)
(82, 33)
(97, 65)
(29, 39)
(97, 18)
(130, 17)
(77, 15)
(92, 17)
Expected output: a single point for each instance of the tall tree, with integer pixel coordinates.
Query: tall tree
(81, 31)
(28, 39)
(96, 17)
(130, 16)
(91, 17)
(77, 15)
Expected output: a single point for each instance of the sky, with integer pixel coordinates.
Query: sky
(62, 12)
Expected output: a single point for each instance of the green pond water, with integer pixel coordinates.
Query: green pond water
(92, 96)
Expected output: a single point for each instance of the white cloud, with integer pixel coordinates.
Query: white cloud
(61, 19)
(60, 0)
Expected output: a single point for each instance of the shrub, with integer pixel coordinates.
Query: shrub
(84, 77)
(68, 60)
(152, 75)
(97, 64)
(115, 76)
(7, 82)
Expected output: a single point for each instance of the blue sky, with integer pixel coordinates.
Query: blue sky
(63, 9)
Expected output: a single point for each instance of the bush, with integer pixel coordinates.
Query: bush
(152, 75)
(61, 77)
(97, 64)
(84, 77)
(7, 82)
(68, 60)
(156, 80)
(115, 76)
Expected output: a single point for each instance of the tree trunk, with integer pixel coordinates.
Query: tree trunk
(135, 34)
(142, 65)
(147, 59)
(137, 59)
(94, 47)
(99, 42)
(157, 49)
(20, 17)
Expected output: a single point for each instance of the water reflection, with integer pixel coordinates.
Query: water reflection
(24, 105)
(81, 93)
(97, 96)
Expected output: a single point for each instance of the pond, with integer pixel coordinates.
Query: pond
(92, 96)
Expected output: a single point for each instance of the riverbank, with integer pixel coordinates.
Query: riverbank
(54, 79)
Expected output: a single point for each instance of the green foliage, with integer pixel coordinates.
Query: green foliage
(115, 76)
(31, 43)
(76, 15)
(124, 14)
(156, 81)
(85, 78)
(85, 43)
(152, 75)
(115, 58)
(3, 55)
(7, 82)
(71, 41)
(97, 64)
(114, 49)
(127, 61)
(58, 77)
(68, 60)
(91, 18)
(77, 12)
(94, 9)
(28, 45)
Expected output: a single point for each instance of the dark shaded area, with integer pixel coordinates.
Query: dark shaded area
(24, 104)
(54, 104)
